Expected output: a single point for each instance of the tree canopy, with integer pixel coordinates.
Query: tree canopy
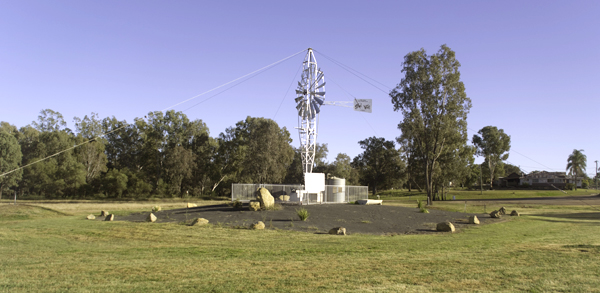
(434, 107)
(493, 145)
(380, 165)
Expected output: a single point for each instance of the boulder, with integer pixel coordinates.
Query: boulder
(285, 198)
(254, 205)
(502, 211)
(90, 217)
(191, 205)
(110, 217)
(514, 213)
(473, 220)
(258, 226)
(338, 231)
(199, 222)
(445, 227)
(104, 213)
(495, 214)
(151, 218)
(265, 198)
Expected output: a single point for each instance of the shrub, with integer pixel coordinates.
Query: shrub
(569, 186)
(156, 209)
(421, 206)
(585, 183)
(237, 204)
(302, 214)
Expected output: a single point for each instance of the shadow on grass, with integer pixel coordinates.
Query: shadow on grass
(578, 216)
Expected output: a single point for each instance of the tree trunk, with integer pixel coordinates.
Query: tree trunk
(429, 185)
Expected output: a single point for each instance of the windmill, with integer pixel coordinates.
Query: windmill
(310, 97)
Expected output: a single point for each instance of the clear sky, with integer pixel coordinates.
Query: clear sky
(530, 67)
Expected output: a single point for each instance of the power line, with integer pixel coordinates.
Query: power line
(250, 75)
(355, 73)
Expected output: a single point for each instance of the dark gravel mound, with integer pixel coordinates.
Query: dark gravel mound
(364, 219)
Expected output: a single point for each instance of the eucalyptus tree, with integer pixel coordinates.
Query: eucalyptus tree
(91, 154)
(10, 160)
(493, 145)
(434, 107)
(380, 165)
(342, 168)
(576, 164)
(256, 150)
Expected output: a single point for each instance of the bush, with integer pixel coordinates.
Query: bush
(302, 214)
(569, 186)
(525, 185)
(156, 209)
(237, 204)
(585, 183)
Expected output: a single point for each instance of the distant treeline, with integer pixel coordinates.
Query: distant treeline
(167, 155)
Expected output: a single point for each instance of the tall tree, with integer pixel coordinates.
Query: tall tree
(493, 145)
(380, 165)
(576, 164)
(10, 159)
(342, 168)
(434, 107)
(256, 150)
(49, 121)
(91, 154)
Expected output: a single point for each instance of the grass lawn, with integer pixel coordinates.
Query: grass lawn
(465, 194)
(52, 248)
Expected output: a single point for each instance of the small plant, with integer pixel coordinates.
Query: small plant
(156, 209)
(302, 214)
(237, 204)
(421, 206)
(365, 222)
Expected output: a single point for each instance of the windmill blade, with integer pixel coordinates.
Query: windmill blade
(319, 100)
(322, 85)
(299, 92)
(319, 93)
(298, 99)
(315, 107)
(320, 75)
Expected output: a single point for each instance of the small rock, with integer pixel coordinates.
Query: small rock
(338, 231)
(258, 226)
(254, 205)
(199, 221)
(502, 211)
(151, 218)
(285, 198)
(495, 214)
(110, 217)
(445, 227)
(514, 213)
(473, 220)
(191, 205)
(90, 217)
(104, 213)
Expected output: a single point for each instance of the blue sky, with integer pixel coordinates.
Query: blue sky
(530, 67)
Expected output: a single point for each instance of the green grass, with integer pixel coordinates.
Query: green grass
(548, 249)
(462, 194)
